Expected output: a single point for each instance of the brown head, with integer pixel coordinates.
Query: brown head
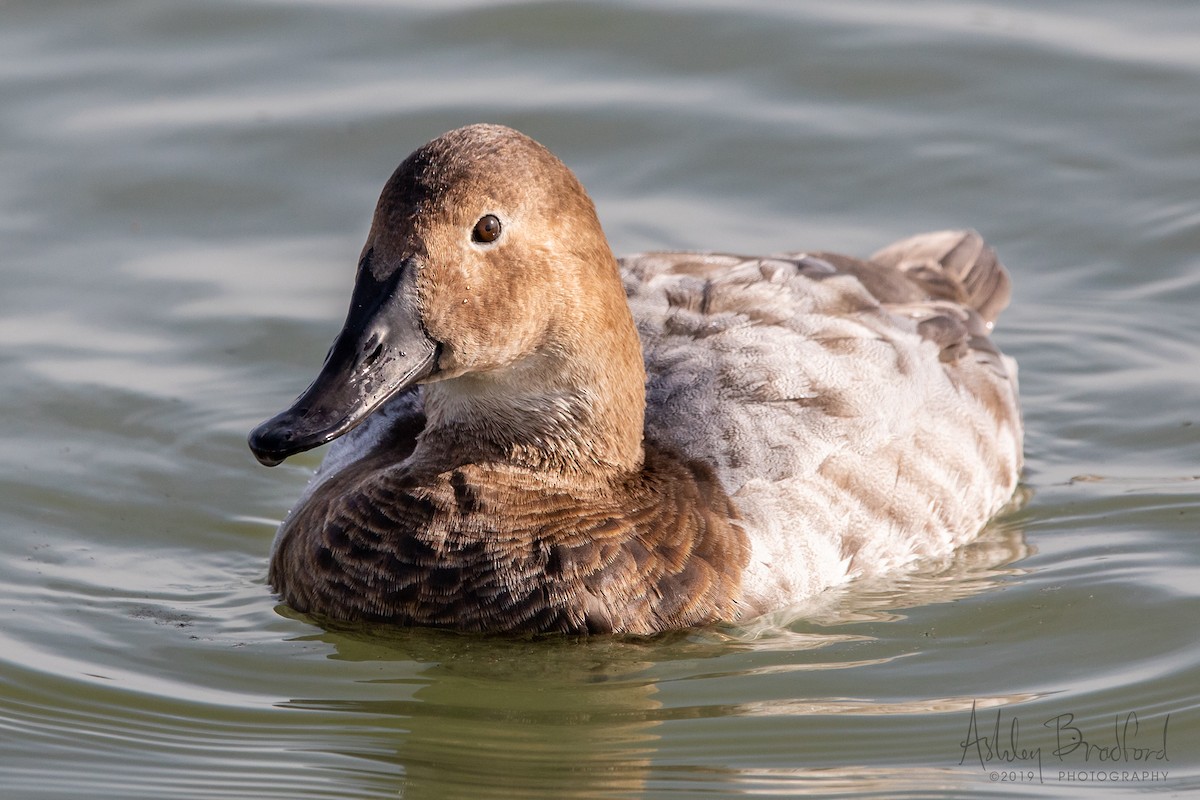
(485, 277)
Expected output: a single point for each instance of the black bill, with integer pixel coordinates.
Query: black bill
(382, 350)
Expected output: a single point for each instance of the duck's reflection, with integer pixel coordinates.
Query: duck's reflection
(494, 717)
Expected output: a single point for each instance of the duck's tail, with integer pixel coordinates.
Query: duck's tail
(952, 265)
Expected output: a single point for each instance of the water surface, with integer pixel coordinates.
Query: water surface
(186, 189)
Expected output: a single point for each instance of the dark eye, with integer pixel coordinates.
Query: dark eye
(486, 230)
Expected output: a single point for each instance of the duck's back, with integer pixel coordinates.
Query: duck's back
(857, 412)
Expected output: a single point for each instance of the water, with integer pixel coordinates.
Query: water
(186, 188)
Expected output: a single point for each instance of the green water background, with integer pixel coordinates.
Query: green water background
(184, 188)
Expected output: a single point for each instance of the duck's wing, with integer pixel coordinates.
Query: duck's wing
(820, 329)
(952, 265)
(856, 410)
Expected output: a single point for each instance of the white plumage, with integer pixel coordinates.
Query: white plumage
(848, 445)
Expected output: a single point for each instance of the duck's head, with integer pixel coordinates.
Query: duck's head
(486, 273)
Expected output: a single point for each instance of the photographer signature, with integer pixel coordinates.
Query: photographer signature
(1121, 745)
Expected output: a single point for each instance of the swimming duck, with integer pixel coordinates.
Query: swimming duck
(535, 436)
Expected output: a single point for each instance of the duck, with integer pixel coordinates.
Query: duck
(531, 436)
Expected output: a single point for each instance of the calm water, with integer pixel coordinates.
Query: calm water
(185, 188)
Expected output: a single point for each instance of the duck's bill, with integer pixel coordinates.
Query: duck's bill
(381, 351)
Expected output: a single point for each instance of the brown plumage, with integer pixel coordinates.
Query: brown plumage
(486, 548)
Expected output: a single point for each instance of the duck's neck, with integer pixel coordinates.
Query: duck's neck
(573, 408)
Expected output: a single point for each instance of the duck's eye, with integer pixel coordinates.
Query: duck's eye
(486, 230)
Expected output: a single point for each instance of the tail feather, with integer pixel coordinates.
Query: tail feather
(952, 265)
